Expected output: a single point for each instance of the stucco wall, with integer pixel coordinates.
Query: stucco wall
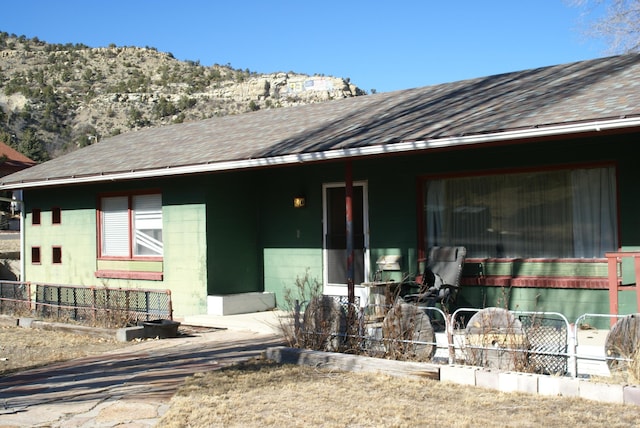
(76, 235)
(184, 233)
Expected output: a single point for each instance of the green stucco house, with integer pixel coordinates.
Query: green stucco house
(534, 172)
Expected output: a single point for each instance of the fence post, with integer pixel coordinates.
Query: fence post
(127, 304)
(59, 299)
(146, 305)
(612, 275)
(636, 266)
(448, 325)
(75, 304)
(296, 320)
(170, 305)
(94, 309)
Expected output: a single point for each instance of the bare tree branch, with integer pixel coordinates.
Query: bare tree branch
(617, 22)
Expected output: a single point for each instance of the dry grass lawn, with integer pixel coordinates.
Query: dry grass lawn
(262, 394)
(25, 348)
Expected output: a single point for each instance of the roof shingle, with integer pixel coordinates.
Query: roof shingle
(591, 90)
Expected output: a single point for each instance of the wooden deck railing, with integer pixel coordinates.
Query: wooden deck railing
(614, 260)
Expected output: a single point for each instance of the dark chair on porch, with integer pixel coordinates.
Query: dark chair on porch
(440, 279)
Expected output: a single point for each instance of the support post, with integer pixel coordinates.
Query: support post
(613, 259)
(636, 258)
(612, 274)
(349, 231)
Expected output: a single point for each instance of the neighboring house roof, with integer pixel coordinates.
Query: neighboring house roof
(12, 161)
(584, 96)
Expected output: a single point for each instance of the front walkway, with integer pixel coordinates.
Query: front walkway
(130, 386)
(267, 322)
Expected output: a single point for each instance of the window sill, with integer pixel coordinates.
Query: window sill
(123, 274)
(130, 259)
(589, 283)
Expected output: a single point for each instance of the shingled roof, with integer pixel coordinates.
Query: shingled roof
(12, 160)
(599, 94)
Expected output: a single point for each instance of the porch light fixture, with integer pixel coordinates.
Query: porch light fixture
(298, 202)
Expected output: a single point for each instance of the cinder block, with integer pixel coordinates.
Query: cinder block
(25, 322)
(462, 375)
(487, 379)
(631, 395)
(558, 386)
(241, 303)
(127, 334)
(518, 382)
(603, 392)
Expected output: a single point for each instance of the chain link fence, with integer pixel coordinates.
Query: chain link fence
(548, 343)
(15, 297)
(97, 306)
(102, 306)
(532, 342)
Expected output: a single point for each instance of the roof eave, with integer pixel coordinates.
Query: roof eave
(365, 151)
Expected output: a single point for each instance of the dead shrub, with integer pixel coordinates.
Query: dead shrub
(408, 333)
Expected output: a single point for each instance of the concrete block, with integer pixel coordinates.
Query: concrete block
(518, 382)
(127, 334)
(25, 322)
(486, 378)
(241, 303)
(557, 386)
(602, 392)
(462, 375)
(631, 394)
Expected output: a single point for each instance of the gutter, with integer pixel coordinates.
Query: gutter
(372, 150)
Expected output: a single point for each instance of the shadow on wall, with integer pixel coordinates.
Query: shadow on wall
(9, 268)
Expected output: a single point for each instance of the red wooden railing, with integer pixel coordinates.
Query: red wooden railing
(614, 260)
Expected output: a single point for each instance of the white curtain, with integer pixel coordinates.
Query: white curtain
(535, 214)
(595, 224)
(434, 211)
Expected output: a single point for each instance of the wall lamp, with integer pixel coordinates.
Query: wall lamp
(298, 202)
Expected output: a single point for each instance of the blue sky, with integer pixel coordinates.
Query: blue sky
(381, 45)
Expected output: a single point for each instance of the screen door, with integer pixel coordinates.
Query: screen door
(335, 234)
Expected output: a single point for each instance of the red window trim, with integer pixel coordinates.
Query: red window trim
(125, 274)
(36, 213)
(134, 258)
(39, 261)
(129, 196)
(55, 216)
(422, 179)
(573, 282)
(56, 259)
(541, 281)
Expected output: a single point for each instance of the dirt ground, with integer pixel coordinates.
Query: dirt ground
(263, 394)
(10, 242)
(24, 348)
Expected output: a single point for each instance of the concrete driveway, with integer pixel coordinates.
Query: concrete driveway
(131, 386)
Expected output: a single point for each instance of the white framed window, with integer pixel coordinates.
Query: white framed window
(131, 226)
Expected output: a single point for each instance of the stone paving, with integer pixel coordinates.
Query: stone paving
(130, 386)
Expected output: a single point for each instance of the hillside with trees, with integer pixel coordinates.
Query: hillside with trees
(56, 98)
